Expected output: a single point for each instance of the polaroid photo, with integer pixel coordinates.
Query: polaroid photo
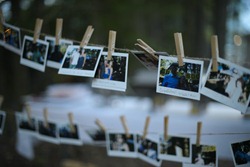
(80, 61)
(147, 149)
(241, 153)
(34, 55)
(175, 148)
(12, 38)
(25, 125)
(112, 74)
(48, 133)
(2, 121)
(178, 81)
(229, 86)
(148, 62)
(119, 145)
(203, 155)
(68, 135)
(96, 136)
(56, 52)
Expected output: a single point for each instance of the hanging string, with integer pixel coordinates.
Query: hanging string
(149, 132)
(117, 49)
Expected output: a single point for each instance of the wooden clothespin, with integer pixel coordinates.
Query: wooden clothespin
(125, 126)
(147, 49)
(71, 123)
(1, 100)
(198, 134)
(111, 44)
(215, 52)
(58, 35)
(100, 125)
(37, 31)
(165, 128)
(28, 111)
(45, 115)
(179, 48)
(88, 33)
(2, 20)
(145, 131)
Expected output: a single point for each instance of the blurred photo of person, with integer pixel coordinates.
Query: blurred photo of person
(171, 80)
(241, 152)
(74, 58)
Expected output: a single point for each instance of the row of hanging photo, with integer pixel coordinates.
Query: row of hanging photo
(151, 147)
(226, 82)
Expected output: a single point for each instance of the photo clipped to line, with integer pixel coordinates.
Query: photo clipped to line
(112, 74)
(202, 156)
(69, 134)
(56, 52)
(119, 145)
(147, 149)
(94, 136)
(25, 125)
(184, 81)
(48, 131)
(34, 55)
(11, 38)
(229, 85)
(241, 153)
(175, 148)
(80, 61)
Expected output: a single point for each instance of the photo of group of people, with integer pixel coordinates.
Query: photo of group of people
(2, 121)
(112, 74)
(11, 38)
(229, 85)
(148, 150)
(241, 153)
(80, 61)
(56, 52)
(182, 81)
(54, 132)
(118, 144)
(175, 148)
(34, 55)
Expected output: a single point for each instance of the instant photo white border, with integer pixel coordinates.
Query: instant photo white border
(179, 92)
(50, 139)
(3, 114)
(150, 66)
(10, 47)
(234, 142)
(25, 131)
(89, 140)
(221, 98)
(174, 157)
(114, 153)
(32, 64)
(111, 84)
(51, 63)
(65, 140)
(78, 72)
(198, 165)
(146, 158)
